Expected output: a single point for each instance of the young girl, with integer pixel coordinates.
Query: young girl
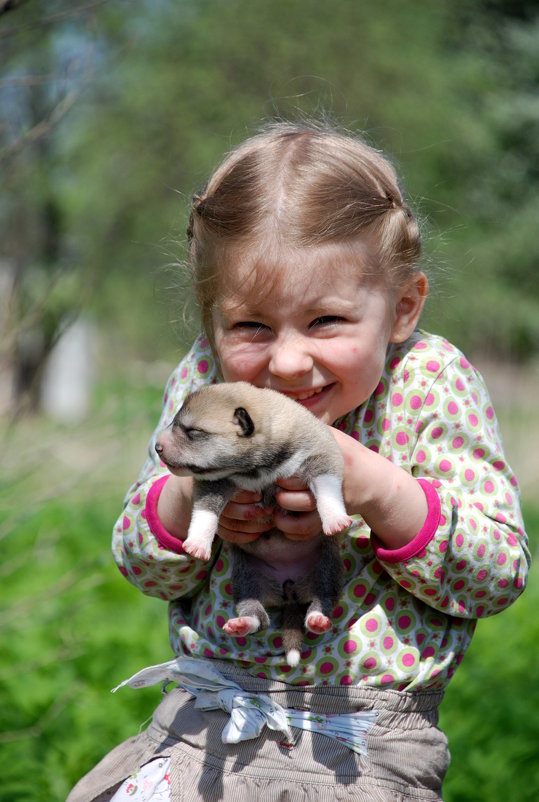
(304, 259)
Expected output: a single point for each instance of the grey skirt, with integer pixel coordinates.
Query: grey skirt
(407, 755)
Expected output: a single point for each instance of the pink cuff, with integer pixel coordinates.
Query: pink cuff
(164, 538)
(423, 537)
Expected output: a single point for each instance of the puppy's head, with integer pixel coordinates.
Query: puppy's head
(211, 436)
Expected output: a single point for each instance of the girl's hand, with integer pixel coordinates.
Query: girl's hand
(296, 516)
(245, 518)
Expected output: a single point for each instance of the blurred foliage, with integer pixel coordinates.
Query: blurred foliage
(138, 100)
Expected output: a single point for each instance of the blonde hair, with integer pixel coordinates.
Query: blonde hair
(301, 185)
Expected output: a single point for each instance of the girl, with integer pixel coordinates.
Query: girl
(304, 259)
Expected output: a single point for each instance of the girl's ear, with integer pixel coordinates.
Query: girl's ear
(408, 307)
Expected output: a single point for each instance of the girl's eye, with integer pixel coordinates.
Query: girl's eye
(326, 320)
(249, 324)
(252, 327)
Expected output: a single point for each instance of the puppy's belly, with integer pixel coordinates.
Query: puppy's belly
(280, 558)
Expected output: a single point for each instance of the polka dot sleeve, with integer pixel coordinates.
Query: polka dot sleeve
(477, 562)
(145, 553)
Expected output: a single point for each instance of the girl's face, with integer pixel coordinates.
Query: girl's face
(319, 334)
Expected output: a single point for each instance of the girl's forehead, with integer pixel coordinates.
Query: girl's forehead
(314, 271)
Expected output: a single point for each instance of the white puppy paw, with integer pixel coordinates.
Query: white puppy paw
(336, 524)
(200, 535)
(317, 623)
(244, 625)
(201, 551)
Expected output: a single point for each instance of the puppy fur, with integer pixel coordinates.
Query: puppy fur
(230, 436)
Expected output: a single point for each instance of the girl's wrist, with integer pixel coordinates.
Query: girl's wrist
(174, 505)
(389, 499)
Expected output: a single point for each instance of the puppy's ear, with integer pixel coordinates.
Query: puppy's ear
(242, 417)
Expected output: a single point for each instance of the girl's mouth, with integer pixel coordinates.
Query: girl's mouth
(308, 398)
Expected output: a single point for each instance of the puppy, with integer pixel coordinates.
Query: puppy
(230, 436)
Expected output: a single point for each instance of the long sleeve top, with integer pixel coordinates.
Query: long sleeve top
(405, 617)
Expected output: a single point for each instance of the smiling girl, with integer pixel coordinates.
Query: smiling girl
(304, 258)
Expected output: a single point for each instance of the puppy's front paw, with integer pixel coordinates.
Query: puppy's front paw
(317, 623)
(332, 526)
(327, 490)
(197, 549)
(244, 625)
(201, 533)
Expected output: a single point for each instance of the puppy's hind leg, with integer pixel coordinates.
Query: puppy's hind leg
(316, 620)
(248, 589)
(251, 617)
(325, 584)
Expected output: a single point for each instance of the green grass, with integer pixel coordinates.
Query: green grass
(491, 709)
(71, 627)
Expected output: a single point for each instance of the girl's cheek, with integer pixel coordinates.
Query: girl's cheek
(238, 367)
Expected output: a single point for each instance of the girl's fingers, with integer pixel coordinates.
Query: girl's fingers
(245, 512)
(298, 525)
(245, 515)
(296, 500)
(244, 518)
(233, 536)
(254, 526)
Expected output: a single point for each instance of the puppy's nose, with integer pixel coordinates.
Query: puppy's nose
(159, 448)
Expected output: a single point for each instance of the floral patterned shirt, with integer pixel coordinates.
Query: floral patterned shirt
(405, 617)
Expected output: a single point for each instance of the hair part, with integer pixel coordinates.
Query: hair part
(299, 186)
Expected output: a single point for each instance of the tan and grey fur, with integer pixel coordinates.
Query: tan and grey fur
(231, 436)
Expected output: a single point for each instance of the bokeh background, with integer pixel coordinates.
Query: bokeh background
(112, 113)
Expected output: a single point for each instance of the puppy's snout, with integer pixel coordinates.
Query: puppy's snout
(164, 444)
(161, 443)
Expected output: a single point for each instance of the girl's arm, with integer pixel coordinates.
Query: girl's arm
(147, 537)
(469, 557)
(388, 498)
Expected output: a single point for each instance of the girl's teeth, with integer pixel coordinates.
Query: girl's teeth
(308, 394)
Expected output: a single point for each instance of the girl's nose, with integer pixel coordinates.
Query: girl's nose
(290, 357)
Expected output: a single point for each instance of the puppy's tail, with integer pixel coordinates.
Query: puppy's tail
(292, 630)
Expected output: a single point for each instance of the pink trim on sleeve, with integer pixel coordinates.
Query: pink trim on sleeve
(164, 538)
(423, 537)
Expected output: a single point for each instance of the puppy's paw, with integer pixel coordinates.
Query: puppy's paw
(201, 533)
(336, 524)
(244, 625)
(327, 490)
(197, 549)
(317, 623)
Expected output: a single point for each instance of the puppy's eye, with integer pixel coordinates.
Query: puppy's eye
(196, 434)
